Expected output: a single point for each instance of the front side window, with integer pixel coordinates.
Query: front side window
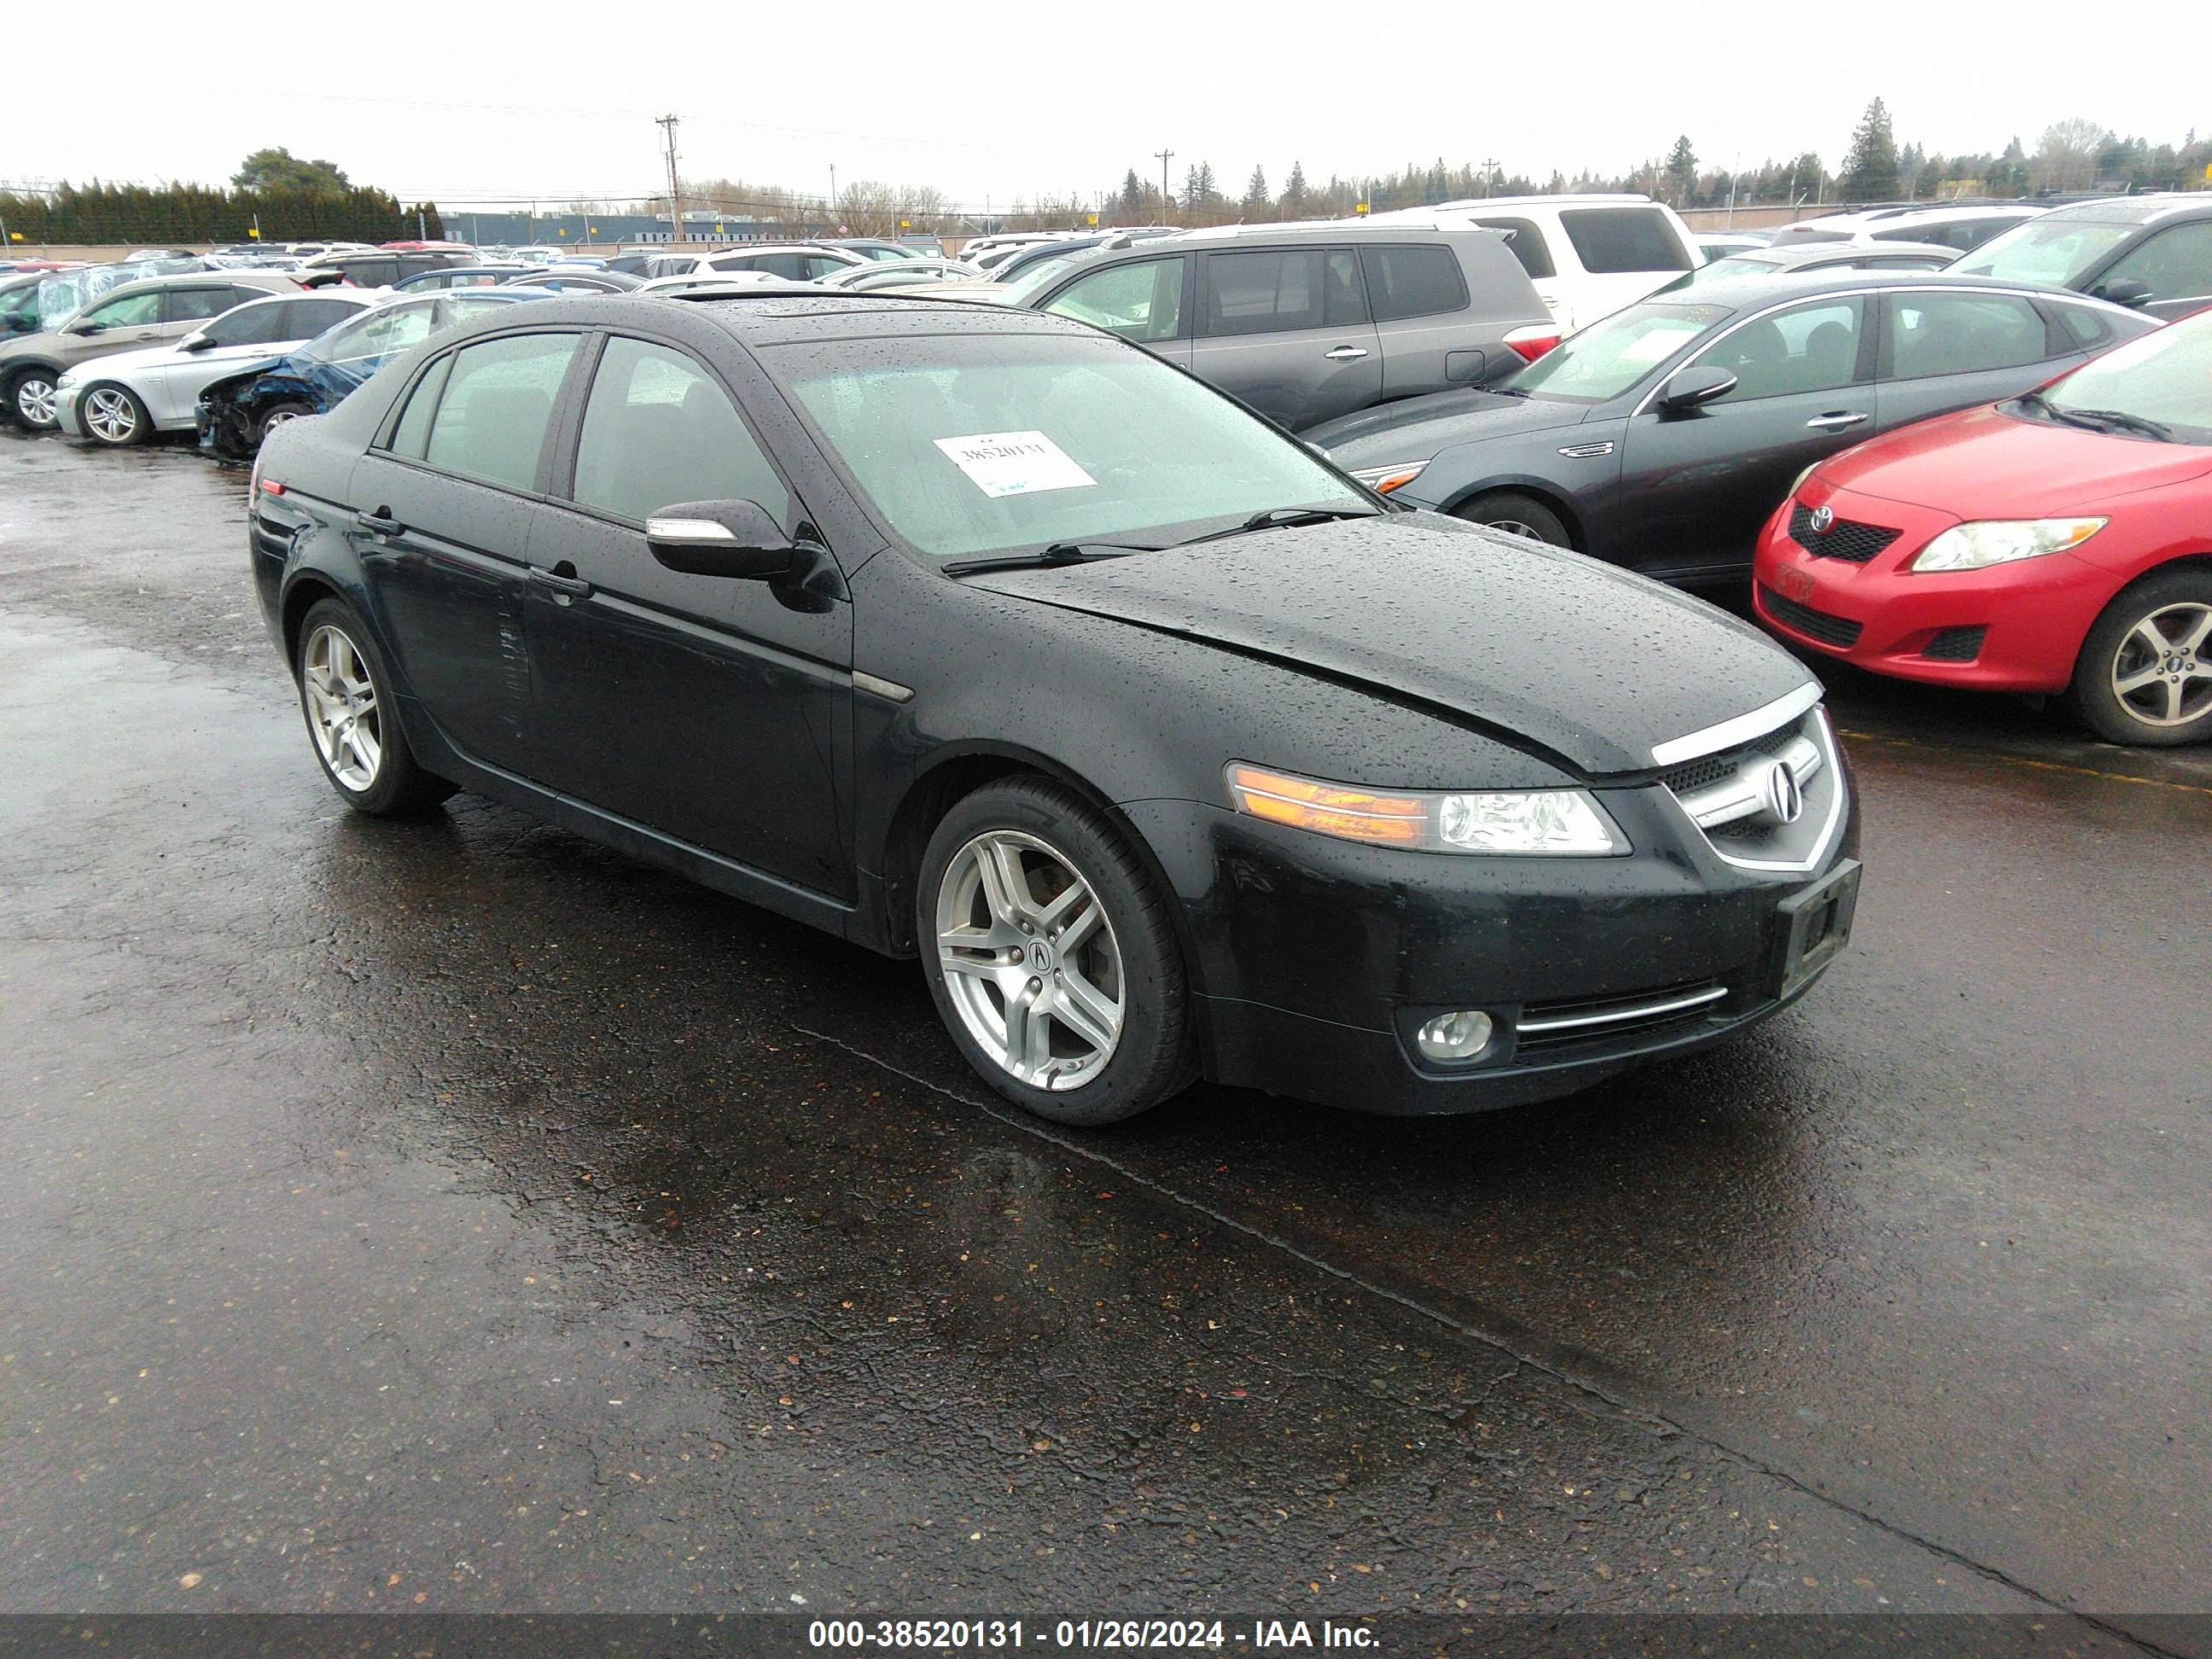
(1962, 334)
(131, 311)
(2058, 253)
(1606, 359)
(2164, 376)
(1527, 242)
(1611, 241)
(1141, 301)
(253, 324)
(657, 431)
(498, 402)
(1810, 348)
(2176, 263)
(970, 445)
(1413, 282)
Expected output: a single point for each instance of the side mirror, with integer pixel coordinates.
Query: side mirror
(87, 326)
(1698, 384)
(720, 539)
(2123, 291)
(196, 341)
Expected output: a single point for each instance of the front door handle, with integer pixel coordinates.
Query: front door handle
(1835, 423)
(1345, 353)
(379, 523)
(568, 587)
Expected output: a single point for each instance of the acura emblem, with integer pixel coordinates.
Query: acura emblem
(1040, 953)
(1824, 520)
(1779, 796)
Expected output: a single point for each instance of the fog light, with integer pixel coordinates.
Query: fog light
(1460, 1036)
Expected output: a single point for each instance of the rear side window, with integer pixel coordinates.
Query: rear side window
(498, 402)
(1419, 280)
(1527, 243)
(306, 318)
(413, 432)
(1961, 334)
(1269, 292)
(659, 431)
(2081, 329)
(249, 325)
(1609, 241)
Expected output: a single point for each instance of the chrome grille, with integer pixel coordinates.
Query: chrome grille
(1754, 818)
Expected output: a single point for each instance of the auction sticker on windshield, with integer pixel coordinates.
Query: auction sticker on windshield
(1015, 463)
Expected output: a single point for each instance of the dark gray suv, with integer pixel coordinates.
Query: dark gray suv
(1305, 323)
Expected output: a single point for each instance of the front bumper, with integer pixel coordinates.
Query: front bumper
(2014, 627)
(1318, 959)
(66, 400)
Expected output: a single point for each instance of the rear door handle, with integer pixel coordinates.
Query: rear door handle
(379, 523)
(570, 586)
(1835, 423)
(1345, 353)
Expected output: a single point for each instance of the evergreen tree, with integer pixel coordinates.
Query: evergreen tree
(1682, 171)
(1132, 197)
(1295, 192)
(1256, 199)
(1870, 171)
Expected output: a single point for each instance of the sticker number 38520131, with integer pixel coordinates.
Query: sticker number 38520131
(1015, 463)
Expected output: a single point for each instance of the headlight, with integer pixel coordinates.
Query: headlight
(1552, 822)
(1384, 479)
(2000, 541)
(70, 378)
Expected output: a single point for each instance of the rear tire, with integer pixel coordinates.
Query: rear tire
(2144, 676)
(1517, 515)
(1018, 873)
(113, 416)
(346, 697)
(31, 399)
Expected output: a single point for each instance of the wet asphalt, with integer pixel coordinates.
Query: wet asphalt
(454, 1216)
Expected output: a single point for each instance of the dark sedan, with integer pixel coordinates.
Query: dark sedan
(983, 636)
(1662, 438)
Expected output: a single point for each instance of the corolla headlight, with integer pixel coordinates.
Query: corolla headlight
(2000, 541)
(1384, 479)
(1548, 823)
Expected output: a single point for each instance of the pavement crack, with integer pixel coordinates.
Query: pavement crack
(1656, 1423)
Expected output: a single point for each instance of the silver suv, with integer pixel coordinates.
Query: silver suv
(1305, 324)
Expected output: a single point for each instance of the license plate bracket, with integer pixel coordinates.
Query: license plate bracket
(1815, 926)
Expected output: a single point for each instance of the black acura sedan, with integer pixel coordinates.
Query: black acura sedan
(984, 636)
(1663, 437)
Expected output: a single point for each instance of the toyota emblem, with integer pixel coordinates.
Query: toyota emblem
(1779, 796)
(1823, 520)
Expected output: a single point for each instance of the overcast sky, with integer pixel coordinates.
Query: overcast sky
(452, 100)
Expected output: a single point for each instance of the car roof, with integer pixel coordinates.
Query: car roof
(277, 282)
(1796, 253)
(1758, 293)
(793, 311)
(2135, 209)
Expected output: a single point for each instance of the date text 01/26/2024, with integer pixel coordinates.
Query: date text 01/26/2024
(1263, 1636)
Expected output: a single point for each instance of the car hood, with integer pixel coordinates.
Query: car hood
(1543, 647)
(1418, 428)
(1984, 463)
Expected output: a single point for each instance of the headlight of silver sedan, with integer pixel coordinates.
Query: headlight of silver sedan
(1543, 823)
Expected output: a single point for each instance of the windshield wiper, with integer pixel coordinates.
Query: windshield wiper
(2112, 419)
(1281, 518)
(1058, 553)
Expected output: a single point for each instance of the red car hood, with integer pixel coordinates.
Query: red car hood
(1980, 464)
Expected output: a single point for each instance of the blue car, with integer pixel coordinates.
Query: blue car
(238, 411)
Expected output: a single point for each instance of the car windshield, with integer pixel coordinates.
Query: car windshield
(1608, 357)
(2163, 377)
(2056, 251)
(971, 444)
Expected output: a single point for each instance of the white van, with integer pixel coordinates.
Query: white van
(1587, 255)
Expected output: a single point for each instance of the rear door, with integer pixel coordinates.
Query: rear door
(711, 709)
(1946, 350)
(1287, 330)
(1147, 302)
(444, 513)
(241, 335)
(1698, 485)
(1431, 330)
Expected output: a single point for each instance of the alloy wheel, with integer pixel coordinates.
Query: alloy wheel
(343, 711)
(34, 400)
(1030, 960)
(1514, 527)
(111, 416)
(2162, 671)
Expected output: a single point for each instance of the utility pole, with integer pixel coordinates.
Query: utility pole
(833, 195)
(1164, 154)
(667, 124)
(1489, 166)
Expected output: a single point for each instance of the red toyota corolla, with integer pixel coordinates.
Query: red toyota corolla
(2057, 542)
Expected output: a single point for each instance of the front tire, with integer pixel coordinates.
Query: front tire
(1051, 956)
(113, 416)
(2144, 676)
(32, 398)
(275, 416)
(345, 695)
(1517, 515)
